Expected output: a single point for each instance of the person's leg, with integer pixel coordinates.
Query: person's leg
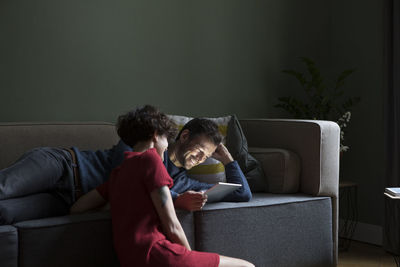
(225, 261)
(38, 170)
(31, 207)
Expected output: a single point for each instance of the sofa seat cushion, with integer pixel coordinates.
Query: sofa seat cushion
(270, 230)
(9, 246)
(79, 240)
(73, 240)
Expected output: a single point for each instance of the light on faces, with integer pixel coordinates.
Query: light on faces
(196, 151)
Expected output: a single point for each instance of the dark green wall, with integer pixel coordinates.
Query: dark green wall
(358, 39)
(91, 60)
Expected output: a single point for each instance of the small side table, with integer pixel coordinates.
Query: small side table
(348, 213)
(391, 229)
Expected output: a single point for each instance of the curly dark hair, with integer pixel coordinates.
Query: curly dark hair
(202, 126)
(141, 123)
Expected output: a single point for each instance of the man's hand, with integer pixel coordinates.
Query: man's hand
(222, 154)
(191, 201)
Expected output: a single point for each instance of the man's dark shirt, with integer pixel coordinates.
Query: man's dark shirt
(95, 168)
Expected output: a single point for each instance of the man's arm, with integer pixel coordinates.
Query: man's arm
(233, 175)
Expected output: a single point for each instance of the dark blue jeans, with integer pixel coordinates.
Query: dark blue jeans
(40, 170)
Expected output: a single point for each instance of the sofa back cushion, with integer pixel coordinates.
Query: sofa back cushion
(17, 138)
(281, 167)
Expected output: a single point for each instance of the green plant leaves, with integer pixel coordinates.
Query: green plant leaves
(293, 106)
(342, 77)
(321, 103)
(299, 76)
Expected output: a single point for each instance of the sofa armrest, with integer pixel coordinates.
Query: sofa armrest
(315, 142)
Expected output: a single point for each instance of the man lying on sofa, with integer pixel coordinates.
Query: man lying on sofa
(198, 140)
(69, 173)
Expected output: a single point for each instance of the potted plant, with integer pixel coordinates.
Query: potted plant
(321, 102)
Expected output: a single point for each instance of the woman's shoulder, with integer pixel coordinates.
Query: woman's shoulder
(149, 156)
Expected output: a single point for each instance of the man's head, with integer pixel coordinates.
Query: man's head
(196, 142)
(141, 124)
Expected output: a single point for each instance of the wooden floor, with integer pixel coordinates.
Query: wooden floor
(365, 255)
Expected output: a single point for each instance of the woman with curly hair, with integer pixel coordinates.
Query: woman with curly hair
(146, 230)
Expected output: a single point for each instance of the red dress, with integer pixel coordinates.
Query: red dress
(137, 229)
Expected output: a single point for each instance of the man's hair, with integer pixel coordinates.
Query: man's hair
(141, 123)
(202, 126)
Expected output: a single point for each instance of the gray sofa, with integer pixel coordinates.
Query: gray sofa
(292, 229)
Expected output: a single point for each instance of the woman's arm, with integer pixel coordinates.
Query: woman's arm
(90, 201)
(162, 201)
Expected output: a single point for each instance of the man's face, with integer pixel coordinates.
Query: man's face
(193, 152)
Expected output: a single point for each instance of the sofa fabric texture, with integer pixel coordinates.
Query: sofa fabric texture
(270, 230)
(72, 241)
(281, 167)
(87, 236)
(317, 145)
(9, 246)
(275, 219)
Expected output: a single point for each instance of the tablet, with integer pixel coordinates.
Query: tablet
(220, 190)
